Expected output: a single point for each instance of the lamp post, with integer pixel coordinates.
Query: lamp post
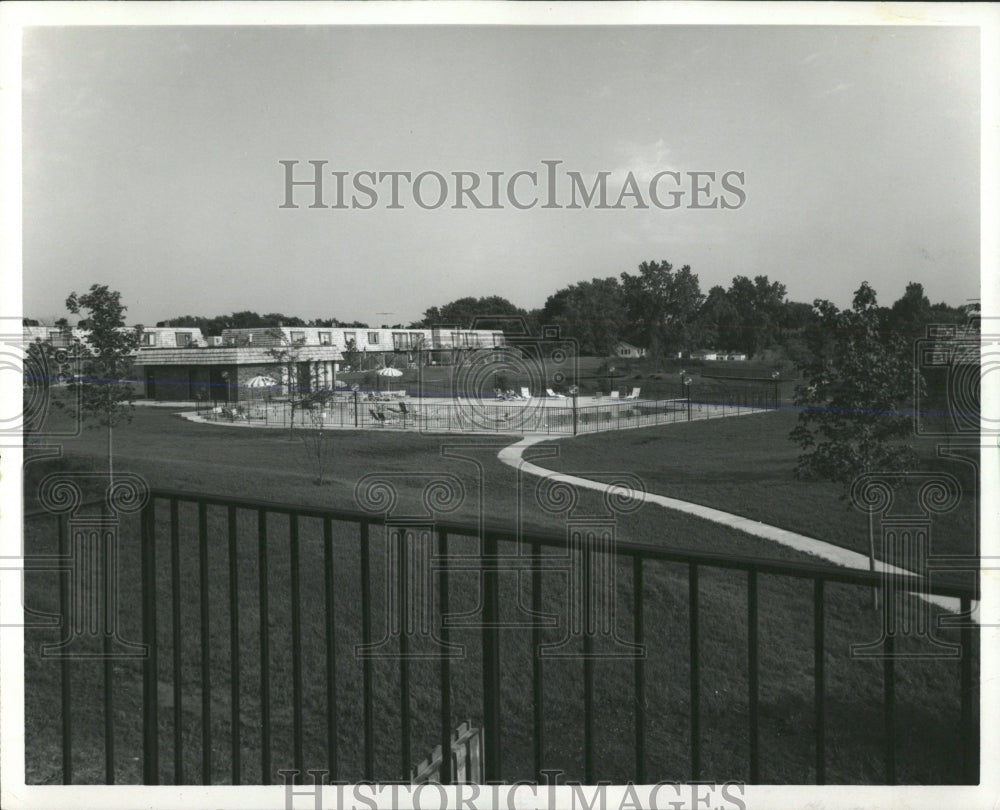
(775, 378)
(683, 372)
(574, 391)
(687, 386)
(354, 388)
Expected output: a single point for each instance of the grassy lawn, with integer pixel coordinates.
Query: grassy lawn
(266, 465)
(746, 466)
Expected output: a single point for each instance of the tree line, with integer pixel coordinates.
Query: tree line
(659, 307)
(251, 320)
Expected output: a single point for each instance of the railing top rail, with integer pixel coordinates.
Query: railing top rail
(824, 571)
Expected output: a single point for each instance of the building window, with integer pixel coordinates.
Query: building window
(373, 338)
(325, 338)
(350, 337)
(416, 340)
(182, 338)
(400, 341)
(149, 338)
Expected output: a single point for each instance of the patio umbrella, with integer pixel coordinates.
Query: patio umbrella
(390, 372)
(261, 381)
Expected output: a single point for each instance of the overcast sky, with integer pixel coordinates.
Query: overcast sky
(151, 161)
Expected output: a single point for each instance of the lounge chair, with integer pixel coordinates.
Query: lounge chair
(553, 394)
(614, 395)
(377, 416)
(525, 393)
(634, 394)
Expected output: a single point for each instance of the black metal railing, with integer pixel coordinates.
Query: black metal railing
(192, 532)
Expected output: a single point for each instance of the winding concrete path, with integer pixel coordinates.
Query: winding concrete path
(513, 456)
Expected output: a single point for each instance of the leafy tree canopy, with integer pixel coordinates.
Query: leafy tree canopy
(662, 305)
(856, 395)
(591, 312)
(493, 312)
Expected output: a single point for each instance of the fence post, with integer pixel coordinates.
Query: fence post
(574, 413)
(150, 714)
(355, 409)
(491, 659)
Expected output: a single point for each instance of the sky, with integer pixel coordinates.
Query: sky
(151, 161)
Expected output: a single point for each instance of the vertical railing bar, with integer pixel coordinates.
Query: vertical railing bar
(331, 654)
(265, 651)
(175, 588)
(108, 663)
(150, 713)
(753, 670)
(694, 672)
(297, 744)
(366, 638)
(889, 682)
(819, 675)
(206, 648)
(64, 671)
(491, 659)
(639, 638)
(968, 730)
(589, 628)
(536, 655)
(404, 665)
(234, 647)
(445, 661)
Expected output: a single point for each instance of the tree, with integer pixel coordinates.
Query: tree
(352, 355)
(911, 313)
(287, 354)
(463, 313)
(758, 304)
(851, 421)
(590, 312)
(719, 321)
(315, 440)
(661, 304)
(104, 386)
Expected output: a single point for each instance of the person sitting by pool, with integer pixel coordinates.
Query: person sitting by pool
(511, 394)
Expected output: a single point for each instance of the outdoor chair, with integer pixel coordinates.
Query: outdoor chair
(525, 393)
(553, 394)
(614, 395)
(377, 416)
(634, 394)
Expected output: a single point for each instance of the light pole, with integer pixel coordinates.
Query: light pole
(775, 377)
(687, 386)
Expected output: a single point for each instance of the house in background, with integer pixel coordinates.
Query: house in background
(171, 337)
(220, 371)
(628, 350)
(181, 364)
(704, 354)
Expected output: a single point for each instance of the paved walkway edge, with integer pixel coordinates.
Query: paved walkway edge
(513, 456)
